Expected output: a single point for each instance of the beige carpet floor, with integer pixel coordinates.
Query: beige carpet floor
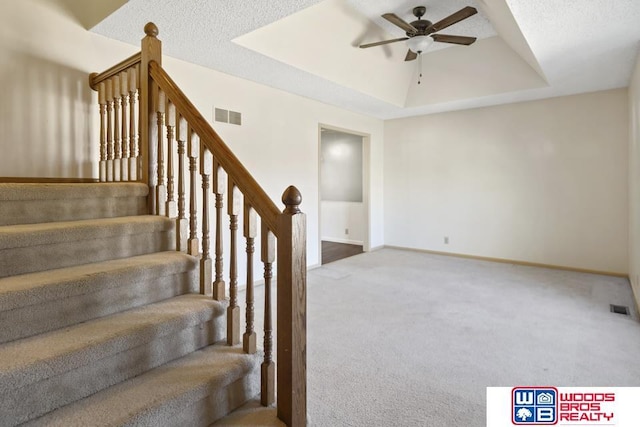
(402, 338)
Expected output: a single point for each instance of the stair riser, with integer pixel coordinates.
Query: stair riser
(36, 211)
(14, 261)
(218, 403)
(50, 315)
(26, 403)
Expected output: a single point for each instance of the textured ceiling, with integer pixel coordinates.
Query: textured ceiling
(381, 71)
(527, 49)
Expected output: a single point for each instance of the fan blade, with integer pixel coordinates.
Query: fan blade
(396, 20)
(364, 46)
(411, 55)
(463, 13)
(444, 38)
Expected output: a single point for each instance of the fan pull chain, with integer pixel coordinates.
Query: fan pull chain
(419, 67)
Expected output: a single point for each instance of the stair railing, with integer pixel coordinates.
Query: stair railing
(142, 114)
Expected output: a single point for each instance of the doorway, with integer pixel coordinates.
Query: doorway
(344, 207)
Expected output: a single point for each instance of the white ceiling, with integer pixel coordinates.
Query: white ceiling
(526, 49)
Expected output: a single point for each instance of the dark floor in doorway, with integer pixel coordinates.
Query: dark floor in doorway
(332, 251)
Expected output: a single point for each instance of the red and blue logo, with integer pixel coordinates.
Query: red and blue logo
(534, 405)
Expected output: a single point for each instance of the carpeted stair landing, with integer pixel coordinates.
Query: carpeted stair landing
(100, 320)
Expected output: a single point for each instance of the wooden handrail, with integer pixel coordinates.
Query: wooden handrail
(96, 78)
(251, 190)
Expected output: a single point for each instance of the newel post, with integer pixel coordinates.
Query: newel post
(151, 51)
(292, 311)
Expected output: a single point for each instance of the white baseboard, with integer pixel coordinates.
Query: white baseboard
(510, 261)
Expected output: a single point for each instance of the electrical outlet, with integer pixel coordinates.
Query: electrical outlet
(346, 231)
(446, 240)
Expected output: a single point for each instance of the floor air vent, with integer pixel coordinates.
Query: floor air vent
(619, 309)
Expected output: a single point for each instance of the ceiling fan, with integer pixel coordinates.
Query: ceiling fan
(421, 33)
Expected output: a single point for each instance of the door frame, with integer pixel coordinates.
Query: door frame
(366, 183)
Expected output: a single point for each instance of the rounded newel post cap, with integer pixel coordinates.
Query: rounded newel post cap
(291, 199)
(151, 30)
(91, 77)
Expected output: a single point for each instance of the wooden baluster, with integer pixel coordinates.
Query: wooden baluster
(133, 124)
(117, 162)
(181, 222)
(193, 150)
(206, 167)
(250, 232)
(171, 207)
(219, 188)
(161, 190)
(102, 100)
(292, 311)
(109, 98)
(267, 384)
(124, 91)
(233, 311)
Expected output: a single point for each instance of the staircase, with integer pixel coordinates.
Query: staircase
(113, 294)
(101, 320)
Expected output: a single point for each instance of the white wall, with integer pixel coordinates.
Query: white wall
(634, 181)
(342, 206)
(278, 139)
(343, 222)
(542, 181)
(45, 59)
(341, 166)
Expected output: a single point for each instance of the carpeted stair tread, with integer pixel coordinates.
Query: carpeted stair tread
(28, 248)
(35, 288)
(50, 191)
(33, 359)
(163, 395)
(31, 203)
(25, 235)
(99, 320)
(34, 303)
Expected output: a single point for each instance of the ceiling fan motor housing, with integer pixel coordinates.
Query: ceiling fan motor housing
(421, 25)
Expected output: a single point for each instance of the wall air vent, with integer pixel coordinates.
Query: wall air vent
(221, 115)
(235, 118)
(226, 116)
(619, 309)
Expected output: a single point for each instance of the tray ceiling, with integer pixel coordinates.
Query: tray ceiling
(526, 50)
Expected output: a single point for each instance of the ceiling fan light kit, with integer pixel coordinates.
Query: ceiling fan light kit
(419, 44)
(421, 33)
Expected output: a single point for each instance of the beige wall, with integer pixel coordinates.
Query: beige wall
(542, 181)
(46, 56)
(278, 141)
(634, 181)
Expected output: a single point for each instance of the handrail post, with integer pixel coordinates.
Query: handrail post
(151, 51)
(292, 312)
